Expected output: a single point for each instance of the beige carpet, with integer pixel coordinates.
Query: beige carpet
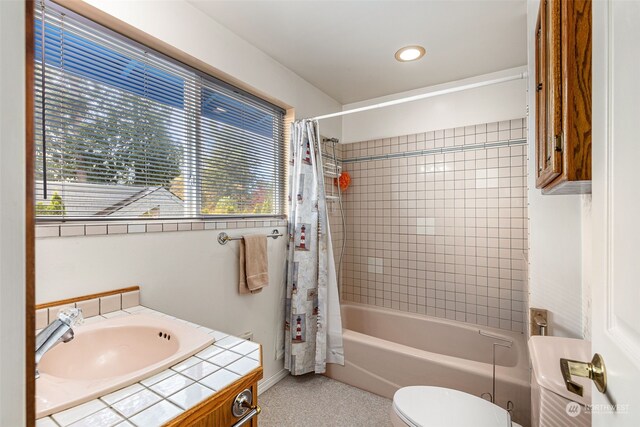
(315, 400)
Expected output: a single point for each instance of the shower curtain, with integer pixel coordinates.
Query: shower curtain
(313, 326)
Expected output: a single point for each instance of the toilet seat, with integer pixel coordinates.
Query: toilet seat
(425, 406)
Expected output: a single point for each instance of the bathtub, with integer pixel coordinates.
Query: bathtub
(387, 349)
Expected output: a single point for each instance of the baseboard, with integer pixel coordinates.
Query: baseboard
(267, 383)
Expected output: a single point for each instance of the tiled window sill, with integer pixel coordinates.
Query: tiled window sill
(45, 230)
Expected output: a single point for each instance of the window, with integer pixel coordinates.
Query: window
(123, 132)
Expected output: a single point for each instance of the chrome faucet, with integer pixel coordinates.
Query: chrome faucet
(60, 330)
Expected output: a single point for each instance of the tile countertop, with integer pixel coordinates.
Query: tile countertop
(162, 397)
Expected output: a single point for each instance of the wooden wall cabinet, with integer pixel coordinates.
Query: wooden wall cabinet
(563, 97)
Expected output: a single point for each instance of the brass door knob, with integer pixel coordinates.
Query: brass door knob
(595, 370)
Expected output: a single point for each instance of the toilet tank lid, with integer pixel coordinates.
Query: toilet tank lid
(425, 406)
(546, 353)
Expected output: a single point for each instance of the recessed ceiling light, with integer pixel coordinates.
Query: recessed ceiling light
(410, 53)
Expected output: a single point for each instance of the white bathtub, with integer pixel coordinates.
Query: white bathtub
(387, 349)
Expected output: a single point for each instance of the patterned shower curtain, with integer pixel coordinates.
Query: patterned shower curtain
(313, 326)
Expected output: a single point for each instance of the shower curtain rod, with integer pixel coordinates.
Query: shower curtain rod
(518, 76)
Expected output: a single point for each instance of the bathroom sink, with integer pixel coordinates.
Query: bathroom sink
(112, 354)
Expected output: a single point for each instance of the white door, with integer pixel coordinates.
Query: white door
(616, 209)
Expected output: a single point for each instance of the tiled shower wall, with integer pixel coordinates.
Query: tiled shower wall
(439, 228)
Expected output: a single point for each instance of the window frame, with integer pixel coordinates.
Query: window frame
(194, 111)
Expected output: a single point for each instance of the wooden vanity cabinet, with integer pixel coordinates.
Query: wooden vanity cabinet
(563, 97)
(216, 411)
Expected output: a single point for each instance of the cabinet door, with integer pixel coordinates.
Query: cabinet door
(541, 91)
(549, 141)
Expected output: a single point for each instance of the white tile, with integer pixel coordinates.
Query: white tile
(136, 309)
(209, 352)
(136, 402)
(171, 385)
(103, 418)
(110, 303)
(112, 398)
(193, 325)
(154, 228)
(169, 226)
(200, 370)
(246, 347)
(89, 307)
(243, 366)
(71, 230)
(46, 422)
(184, 226)
(42, 318)
(130, 299)
(95, 230)
(186, 364)
(217, 335)
(94, 319)
(47, 231)
(205, 329)
(125, 424)
(224, 358)
(118, 313)
(79, 412)
(117, 229)
(157, 415)
(137, 228)
(219, 379)
(191, 396)
(254, 355)
(157, 378)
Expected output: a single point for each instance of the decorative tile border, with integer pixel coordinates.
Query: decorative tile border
(442, 150)
(105, 229)
(100, 305)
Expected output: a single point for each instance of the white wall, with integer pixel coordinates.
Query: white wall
(555, 233)
(12, 190)
(187, 274)
(504, 101)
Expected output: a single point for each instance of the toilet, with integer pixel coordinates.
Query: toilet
(425, 406)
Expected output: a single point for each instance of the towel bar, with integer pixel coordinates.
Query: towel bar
(223, 237)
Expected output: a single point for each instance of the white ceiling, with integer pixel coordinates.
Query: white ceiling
(346, 48)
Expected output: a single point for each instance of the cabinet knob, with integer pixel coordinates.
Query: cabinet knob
(243, 403)
(539, 87)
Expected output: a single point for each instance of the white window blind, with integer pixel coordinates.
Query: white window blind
(123, 133)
